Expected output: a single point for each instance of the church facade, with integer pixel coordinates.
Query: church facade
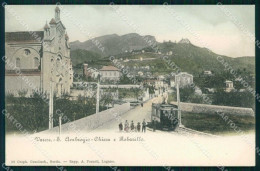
(39, 60)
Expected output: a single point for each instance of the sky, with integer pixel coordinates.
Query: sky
(221, 30)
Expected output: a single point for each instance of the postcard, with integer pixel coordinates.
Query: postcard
(130, 85)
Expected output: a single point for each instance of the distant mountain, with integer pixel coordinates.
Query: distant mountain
(184, 54)
(186, 41)
(114, 44)
(195, 59)
(189, 58)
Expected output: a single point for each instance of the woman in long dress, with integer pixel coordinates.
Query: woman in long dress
(126, 126)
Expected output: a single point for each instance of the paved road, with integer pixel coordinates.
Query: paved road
(137, 115)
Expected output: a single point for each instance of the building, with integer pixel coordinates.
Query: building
(140, 73)
(161, 77)
(184, 79)
(229, 85)
(109, 73)
(90, 72)
(172, 82)
(93, 73)
(36, 59)
(158, 84)
(169, 53)
(86, 73)
(165, 86)
(209, 73)
(149, 82)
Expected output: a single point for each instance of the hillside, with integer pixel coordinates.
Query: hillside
(80, 56)
(195, 59)
(113, 44)
(188, 57)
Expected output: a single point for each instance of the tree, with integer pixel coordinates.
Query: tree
(151, 89)
(137, 92)
(124, 79)
(106, 99)
(33, 113)
(233, 98)
(185, 93)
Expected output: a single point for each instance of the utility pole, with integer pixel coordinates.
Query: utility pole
(97, 104)
(178, 101)
(51, 107)
(59, 125)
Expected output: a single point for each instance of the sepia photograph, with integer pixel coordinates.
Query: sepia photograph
(130, 85)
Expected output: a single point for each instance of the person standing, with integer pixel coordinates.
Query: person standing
(138, 126)
(144, 126)
(120, 127)
(126, 126)
(132, 126)
(154, 125)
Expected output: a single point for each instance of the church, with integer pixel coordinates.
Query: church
(38, 61)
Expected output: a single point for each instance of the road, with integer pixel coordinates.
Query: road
(138, 114)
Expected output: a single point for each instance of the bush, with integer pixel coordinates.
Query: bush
(233, 98)
(33, 113)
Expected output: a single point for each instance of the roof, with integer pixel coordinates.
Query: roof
(24, 36)
(46, 26)
(184, 73)
(109, 68)
(57, 9)
(227, 81)
(52, 21)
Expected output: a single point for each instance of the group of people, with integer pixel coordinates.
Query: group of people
(131, 127)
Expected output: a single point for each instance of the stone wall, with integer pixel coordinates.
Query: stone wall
(14, 84)
(212, 109)
(93, 121)
(127, 86)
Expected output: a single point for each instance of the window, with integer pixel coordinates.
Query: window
(36, 62)
(18, 63)
(27, 52)
(60, 57)
(58, 62)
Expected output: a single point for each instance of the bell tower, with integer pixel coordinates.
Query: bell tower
(57, 14)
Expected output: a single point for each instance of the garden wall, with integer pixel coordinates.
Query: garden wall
(93, 121)
(212, 109)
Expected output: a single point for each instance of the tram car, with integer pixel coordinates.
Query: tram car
(165, 116)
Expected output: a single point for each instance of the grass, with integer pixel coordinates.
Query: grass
(214, 124)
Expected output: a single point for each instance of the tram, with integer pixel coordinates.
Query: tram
(166, 116)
